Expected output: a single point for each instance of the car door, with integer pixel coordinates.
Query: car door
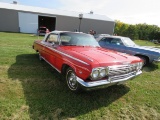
(117, 44)
(112, 43)
(105, 43)
(51, 44)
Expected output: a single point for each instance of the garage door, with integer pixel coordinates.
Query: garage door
(28, 22)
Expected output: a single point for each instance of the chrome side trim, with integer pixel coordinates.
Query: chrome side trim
(104, 82)
(70, 56)
(65, 54)
(89, 59)
(51, 64)
(156, 60)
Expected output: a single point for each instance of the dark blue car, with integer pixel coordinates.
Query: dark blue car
(126, 45)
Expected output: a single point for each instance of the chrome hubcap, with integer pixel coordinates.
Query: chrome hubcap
(72, 82)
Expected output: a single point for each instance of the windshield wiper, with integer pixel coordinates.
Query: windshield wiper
(70, 45)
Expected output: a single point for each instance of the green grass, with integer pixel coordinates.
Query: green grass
(31, 89)
(146, 43)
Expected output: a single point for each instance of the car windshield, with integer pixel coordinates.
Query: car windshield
(128, 42)
(78, 39)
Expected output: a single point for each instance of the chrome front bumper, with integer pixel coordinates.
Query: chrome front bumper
(120, 79)
(41, 33)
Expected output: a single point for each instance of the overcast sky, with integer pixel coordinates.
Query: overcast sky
(128, 11)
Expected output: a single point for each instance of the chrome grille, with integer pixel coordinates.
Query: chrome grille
(121, 69)
(121, 77)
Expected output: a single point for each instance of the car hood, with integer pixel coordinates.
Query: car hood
(148, 48)
(99, 55)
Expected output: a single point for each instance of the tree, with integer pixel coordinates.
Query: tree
(121, 28)
(138, 31)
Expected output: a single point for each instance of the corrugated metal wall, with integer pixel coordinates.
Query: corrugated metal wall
(72, 23)
(9, 20)
(28, 23)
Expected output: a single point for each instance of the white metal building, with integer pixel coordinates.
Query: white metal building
(27, 19)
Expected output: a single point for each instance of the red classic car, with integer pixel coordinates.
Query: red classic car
(84, 63)
(43, 30)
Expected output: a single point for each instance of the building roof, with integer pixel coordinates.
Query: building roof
(52, 11)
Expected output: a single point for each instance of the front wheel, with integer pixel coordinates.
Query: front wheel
(71, 80)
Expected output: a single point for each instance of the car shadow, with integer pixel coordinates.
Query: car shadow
(150, 67)
(47, 95)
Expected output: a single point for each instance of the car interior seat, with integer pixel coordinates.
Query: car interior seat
(52, 38)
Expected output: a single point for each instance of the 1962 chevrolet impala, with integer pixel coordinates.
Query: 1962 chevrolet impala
(84, 63)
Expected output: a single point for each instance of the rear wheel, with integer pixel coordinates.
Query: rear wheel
(71, 80)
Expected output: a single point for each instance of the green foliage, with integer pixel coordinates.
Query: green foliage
(138, 31)
(121, 28)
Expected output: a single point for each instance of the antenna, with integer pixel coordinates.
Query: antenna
(91, 12)
(15, 2)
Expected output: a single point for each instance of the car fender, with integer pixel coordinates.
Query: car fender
(80, 71)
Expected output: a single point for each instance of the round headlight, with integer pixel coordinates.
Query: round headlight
(138, 65)
(102, 73)
(95, 74)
